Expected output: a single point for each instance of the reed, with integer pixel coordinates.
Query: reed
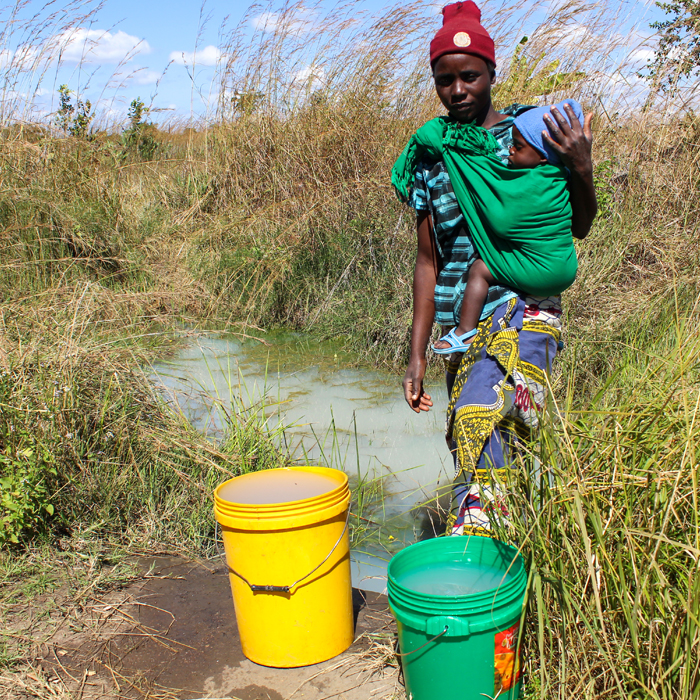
(610, 527)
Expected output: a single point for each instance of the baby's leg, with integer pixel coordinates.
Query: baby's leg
(478, 283)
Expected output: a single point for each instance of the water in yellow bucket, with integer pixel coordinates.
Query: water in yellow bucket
(287, 549)
(276, 486)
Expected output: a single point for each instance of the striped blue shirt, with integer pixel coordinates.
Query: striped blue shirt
(433, 192)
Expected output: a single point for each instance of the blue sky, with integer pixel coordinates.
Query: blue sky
(127, 45)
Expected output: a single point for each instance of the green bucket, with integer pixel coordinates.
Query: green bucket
(458, 602)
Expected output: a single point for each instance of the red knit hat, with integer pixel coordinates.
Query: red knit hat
(462, 32)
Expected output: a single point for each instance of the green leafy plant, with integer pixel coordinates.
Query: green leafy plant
(139, 139)
(603, 175)
(534, 75)
(26, 490)
(678, 53)
(28, 468)
(246, 102)
(73, 119)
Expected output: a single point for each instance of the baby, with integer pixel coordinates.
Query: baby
(529, 150)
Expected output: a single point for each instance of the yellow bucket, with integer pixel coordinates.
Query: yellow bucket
(288, 553)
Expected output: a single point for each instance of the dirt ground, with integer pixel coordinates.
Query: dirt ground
(171, 634)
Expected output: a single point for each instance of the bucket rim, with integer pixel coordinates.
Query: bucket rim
(318, 507)
(328, 471)
(496, 596)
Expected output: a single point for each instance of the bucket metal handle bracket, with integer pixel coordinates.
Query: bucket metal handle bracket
(257, 588)
(269, 589)
(453, 626)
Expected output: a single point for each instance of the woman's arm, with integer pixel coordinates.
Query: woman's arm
(573, 144)
(424, 277)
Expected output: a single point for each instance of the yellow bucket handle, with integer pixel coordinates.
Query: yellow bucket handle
(257, 588)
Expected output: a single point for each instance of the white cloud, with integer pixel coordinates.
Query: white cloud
(111, 114)
(25, 97)
(77, 45)
(619, 91)
(147, 77)
(81, 45)
(640, 45)
(572, 35)
(642, 55)
(677, 52)
(310, 78)
(208, 56)
(300, 21)
(24, 58)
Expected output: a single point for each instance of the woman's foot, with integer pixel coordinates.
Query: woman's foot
(454, 341)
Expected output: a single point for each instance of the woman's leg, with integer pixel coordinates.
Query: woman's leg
(496, 384)
(478, 494)
(483, 451)
(478, 283)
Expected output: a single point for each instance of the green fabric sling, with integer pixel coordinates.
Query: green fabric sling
(519, 218)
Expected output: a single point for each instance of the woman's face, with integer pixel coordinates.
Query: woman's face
(463, 84)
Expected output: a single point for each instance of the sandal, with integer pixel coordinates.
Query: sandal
(456, 342)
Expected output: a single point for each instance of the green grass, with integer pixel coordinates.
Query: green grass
(91, 446)
(611, 532)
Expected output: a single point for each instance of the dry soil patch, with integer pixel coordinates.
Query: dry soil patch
(172, 634)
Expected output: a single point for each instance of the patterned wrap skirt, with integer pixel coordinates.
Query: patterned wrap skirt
(497, 390)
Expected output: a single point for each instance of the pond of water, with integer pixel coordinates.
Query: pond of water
(326, 412)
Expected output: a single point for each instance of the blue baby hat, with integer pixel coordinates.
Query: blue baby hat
(531, 124)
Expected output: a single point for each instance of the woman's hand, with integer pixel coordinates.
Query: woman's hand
(572, 142)
(413, 392)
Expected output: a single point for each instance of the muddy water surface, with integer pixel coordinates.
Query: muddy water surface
(325, 412)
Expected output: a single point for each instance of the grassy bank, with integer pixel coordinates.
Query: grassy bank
(610, 525)
(279, 213)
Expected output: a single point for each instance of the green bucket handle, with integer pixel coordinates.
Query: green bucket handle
(454, 625)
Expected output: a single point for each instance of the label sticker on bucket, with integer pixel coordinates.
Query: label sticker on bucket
(507, 670)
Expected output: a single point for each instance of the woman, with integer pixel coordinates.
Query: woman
(498, 386)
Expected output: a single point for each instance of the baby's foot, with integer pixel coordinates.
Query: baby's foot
(458, 332)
